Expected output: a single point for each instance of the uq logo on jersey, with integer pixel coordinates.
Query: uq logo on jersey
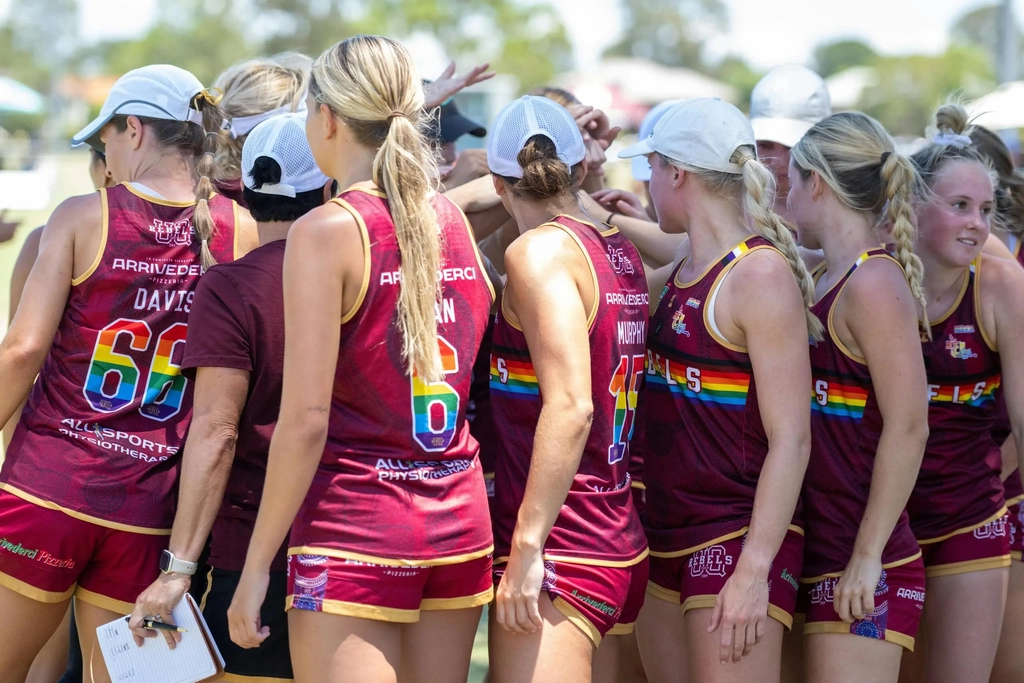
(620, 262)
(177, 233)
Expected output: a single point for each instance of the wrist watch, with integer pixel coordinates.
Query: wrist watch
(169, 564)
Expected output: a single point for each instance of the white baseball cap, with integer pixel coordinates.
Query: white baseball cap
(641, 167)
(787, 102)
(159, 91)
(702, 133)
(283, 139)
(519, 121)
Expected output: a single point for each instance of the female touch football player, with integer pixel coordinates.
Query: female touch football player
(87, 486)
(386, 302)
(864, 579)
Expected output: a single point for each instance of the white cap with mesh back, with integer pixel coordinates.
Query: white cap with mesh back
(159, 91)
(641, 167)
(702, 133)
(787, 102)
(283, 139)
(519, 121)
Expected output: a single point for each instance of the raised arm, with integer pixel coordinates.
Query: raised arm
(546, 274)
(321, 245)
(656, 247)
(880, 314)
(767, 308)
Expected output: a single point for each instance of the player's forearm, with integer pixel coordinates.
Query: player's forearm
(778, 489)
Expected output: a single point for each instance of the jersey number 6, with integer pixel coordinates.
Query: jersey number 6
(435, 405)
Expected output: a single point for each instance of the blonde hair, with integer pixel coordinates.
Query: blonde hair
(857, 158)
(371, 84)
(201, 143)
(757, 186)
(254, 87)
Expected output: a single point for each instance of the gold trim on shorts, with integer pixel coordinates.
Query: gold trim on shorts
(968, 566)
(621, 629)
(965, 529)
(388, 561)
(638, 485)
(465, 602)
(354, 609)
(587, 562)
(29, 591)
(890, 565)
(578, 620)
(239, 678)
(1015, 554)
(842, 628)
(708, 602)
(103, 601)
(662, 593)
(117, 526)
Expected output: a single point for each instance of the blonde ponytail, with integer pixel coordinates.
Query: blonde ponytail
(898, 179)
(371, 84)
(758, 202)
(206, 169)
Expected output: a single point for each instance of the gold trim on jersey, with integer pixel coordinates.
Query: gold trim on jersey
(105, 230)
(968, 566)
(586, 561)
(239, 678)
(721, 539)
(890, 565)
(662, 593)
(476, 250)
(964, 530)
(156, 200)
(364, 186)
(31, 592)
(364, 235)
(959, 298)
(977, 305)
(821, 627)
(465, 602)
(713, 292)
(28, 497)
(355, 609)
(577, 619)
(103, 601)
(390, 561)
(592, 313)
(1016, 499)
(835, 302)
(638, 485)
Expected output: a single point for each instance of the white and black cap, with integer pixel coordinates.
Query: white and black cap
(283, 139)
(703, 133)
(519, 121)
(159, 91)
(640, 166)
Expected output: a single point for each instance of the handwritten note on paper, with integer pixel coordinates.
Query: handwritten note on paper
(191, 661)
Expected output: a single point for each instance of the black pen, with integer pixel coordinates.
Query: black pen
(159, 625)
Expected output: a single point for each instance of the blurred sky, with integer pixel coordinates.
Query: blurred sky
(765, 32)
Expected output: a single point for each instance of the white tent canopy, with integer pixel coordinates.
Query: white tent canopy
(647, 83)
(18, 98)
(1001, 109)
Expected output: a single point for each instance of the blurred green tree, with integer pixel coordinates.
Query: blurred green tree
(832, 57)
(980, 27)
(670, 32)
(38, 40)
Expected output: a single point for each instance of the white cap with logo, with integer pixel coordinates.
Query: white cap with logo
(641, 168)
(519, 121)
(702, 133)
(159, 91)
(787, 102)
(283, 139)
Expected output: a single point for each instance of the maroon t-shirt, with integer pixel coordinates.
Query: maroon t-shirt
(237, 321)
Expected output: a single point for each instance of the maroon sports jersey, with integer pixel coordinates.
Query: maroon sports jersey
(396, 426)
(232, 189)
(479, 411)
(846, 426)
(597, 522)
(237, 321)
(106, 417)
(704, 433)
(958, 485)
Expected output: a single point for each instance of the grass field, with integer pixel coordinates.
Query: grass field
(72, 179)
